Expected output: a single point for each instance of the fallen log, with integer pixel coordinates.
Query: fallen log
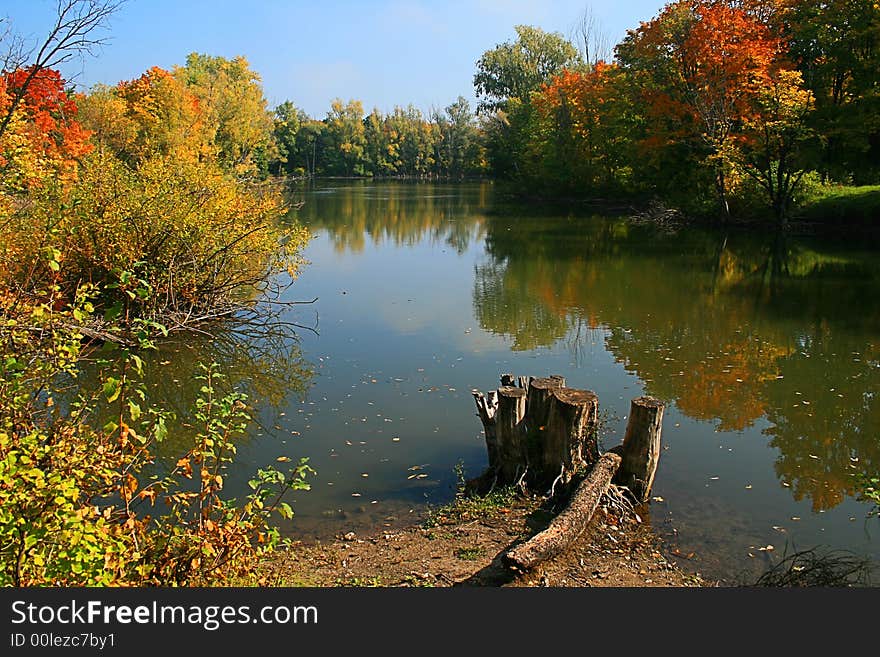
(567, 527)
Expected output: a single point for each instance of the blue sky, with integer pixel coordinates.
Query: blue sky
(382, 52)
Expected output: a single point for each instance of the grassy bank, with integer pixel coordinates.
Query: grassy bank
(840, 204)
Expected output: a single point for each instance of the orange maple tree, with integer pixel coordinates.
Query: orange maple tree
(43, 137)
(702, 62)
(581, 109)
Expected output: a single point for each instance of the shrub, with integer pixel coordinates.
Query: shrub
(72, 496)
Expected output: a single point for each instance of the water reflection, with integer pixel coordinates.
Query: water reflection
(271, 370)
(730, 328)
(402, 214)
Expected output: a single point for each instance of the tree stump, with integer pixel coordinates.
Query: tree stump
(568, 440)
(539, 427)
(539, 398)
(510, 434)
(640, 451)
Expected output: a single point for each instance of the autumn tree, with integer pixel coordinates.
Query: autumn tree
(777, 138)
(381, 146)
(75, 32)
(584, 135)
(42, 138)
(699, 64)
(415, 139)
(230, 96)
(153, 114)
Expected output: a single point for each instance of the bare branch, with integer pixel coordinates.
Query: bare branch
(589, 37)
(73, 34)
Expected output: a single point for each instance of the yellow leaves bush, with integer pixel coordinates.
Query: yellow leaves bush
(199, 241)
(70, 495)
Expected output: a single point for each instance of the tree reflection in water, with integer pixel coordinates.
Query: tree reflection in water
(731, 328)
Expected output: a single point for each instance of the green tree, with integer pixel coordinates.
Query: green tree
(345, 138)
(836, 46)
(458, 150)
(289, 121)
(514, 70)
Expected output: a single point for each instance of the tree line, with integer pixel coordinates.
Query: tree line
(721, 106)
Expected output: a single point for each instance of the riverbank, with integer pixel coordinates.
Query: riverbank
(831, 209)
(839, 205)
(462, 544)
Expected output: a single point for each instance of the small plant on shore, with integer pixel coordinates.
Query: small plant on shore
(499, 500)
(470, 554)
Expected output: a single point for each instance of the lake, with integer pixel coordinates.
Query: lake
(767, 353)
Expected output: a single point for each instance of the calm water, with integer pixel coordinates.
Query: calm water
(767, 353)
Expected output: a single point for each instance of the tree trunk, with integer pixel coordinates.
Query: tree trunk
(565, 528)
(568, 440)
(641, 447)
(510, 434)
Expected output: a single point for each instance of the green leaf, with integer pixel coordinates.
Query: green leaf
(112, 388)
(113, 312)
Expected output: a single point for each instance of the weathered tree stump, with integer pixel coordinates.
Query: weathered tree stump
(541, 432)
(641, 447)
(539, 428)
(568, 440)
(539, 398)
(571, 522)
(510, 435)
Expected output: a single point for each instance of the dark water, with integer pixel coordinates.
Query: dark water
(767, 352)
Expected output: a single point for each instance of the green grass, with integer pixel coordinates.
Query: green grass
(470, 554)
(842, 204)
(361, 582)
(471, 508)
